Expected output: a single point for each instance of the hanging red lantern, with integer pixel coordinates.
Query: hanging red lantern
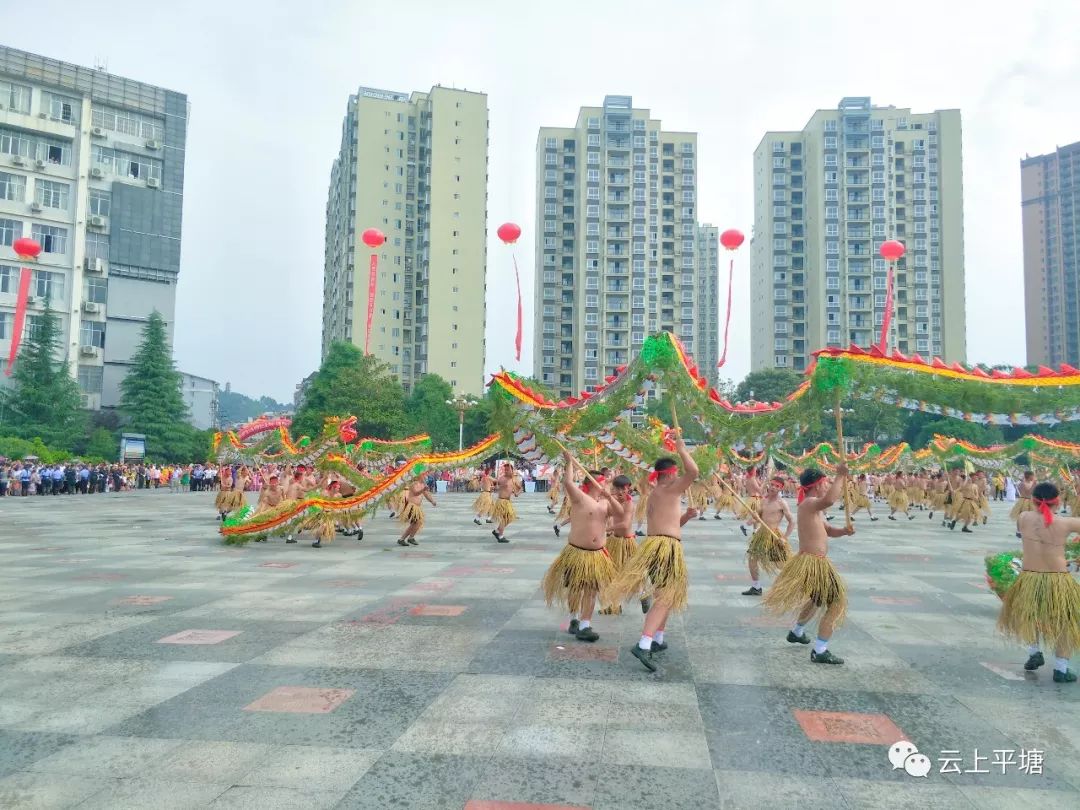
(892, 250)
(509, 232)
(732, 238)
(373, 237)
(26, 248)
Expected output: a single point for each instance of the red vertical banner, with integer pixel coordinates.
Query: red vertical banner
(517, 335)
(371, 284)
(20, 317)
(727, 318)
(887, 319)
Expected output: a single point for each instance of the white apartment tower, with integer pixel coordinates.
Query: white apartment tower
(414, 166)
(616, 239)
(825, 198)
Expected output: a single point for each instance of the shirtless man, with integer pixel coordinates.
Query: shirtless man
(553, 490)
(583, 567)
(1023, 499)
(483, 503)
(504, 513)
(412, 515)
(765, 550)
(752, 499)
(660, 557)
(1043, 604)
(270, 496)
(808, 581)
(621, 539)
(965, 504)
(860, 500)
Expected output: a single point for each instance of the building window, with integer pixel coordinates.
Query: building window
(92, 333)
(97, 246)
(63, 108)
(124, 164)
(97, 290)
(47, 284)
(50, 194)
(16, 97)
(127, 123)
(12, 187)
(100, 202)
(51, 238)
(10, 230)
(90, 379)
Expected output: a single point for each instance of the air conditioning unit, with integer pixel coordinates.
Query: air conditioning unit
(97, 222)
(97, 132)
(152, 144)
(91, 307)
(34, 301)
(97, 173)
(40, 164)
(153, 182)
(18, 160)
(94, 265)
(35, 206)
(89, 351)
(42, 115)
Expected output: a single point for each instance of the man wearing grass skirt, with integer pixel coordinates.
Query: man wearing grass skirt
(584, 566)
(768, 549)
(1044, 602)
(808, 582)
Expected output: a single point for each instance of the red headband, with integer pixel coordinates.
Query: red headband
(655, 474)
(1044, 507)
(587, 483)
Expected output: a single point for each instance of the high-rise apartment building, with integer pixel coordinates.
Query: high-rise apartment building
(616, 207)
(825, 198)
(1050, 191)
(414, 167)
(92, 167)
(706, 346)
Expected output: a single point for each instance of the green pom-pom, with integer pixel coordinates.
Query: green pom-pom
(658, 352)
(238, 517)
(367, 446)
(419, 468)
(304, 441)
(832, 375)
(1001, 570)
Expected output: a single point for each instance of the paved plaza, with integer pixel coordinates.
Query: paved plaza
(145, 665)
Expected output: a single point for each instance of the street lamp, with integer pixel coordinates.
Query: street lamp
(461, 403)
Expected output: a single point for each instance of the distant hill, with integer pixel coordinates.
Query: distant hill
(234, 407)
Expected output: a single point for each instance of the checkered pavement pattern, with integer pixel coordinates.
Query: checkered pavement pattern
(144, 664)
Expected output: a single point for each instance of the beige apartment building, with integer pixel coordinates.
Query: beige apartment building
(616, 208)
(825, 198)
(1050, 193)
(414, 166)
(710, 290)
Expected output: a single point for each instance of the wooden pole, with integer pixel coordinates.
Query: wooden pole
(748, 510)
(843, 456)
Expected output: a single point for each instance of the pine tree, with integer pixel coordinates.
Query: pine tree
(44, 401)
(150, 397)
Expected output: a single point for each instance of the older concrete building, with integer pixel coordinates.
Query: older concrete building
(1050, 194)
(414, 167)
(825, 198)
(92, 167)
(616, 207)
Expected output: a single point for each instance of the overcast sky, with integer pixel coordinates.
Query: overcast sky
(268, 83)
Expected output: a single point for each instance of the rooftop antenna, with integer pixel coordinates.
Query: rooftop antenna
(101, 63)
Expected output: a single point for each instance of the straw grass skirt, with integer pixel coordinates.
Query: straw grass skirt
(412, 513)
(503, 512)
(1043, 607)
(769, 552)
(1022, 505)
(899, 501)
(575, 572)
(229, 499)
(752, 504)
(657, 569)
(807, 578)
(967, 511)
(621, 550)
(483, 504)
(697, 497)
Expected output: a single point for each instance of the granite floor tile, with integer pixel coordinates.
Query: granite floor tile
(245, 797)
(141, 793)
(26, 790)
(418, 782)
(545, 782)
(622, 786)
(305, 767)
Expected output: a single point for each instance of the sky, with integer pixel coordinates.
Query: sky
(268, 83)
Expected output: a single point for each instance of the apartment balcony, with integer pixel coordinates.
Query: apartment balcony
(617, 305)
(858, 233)
(618, 163)
(618, 214)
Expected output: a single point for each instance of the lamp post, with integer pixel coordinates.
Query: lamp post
(461, 403)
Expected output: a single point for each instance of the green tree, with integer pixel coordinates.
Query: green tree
(44, 401)
(103, 444)
(350, 383)
(236, 408)
(768, 385)
(150, 397)
(981, 435)
(429, 413)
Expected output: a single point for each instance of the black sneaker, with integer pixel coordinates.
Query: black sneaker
(701, 517)
(290, 539)
(1019, 536)
(488, 520)
(575, 625)
(558, 531)
(966, 530)
(825, 658)
(717, 517)
(393, 515)
(412, 541)
(586, 634)
(752, 591)
(502, 538)
(401, 542)
(743, 530)
(646, 604)
(873, 518)
(794, 639)
(317, 544)
(477, 521)
(495, 533)
(892, 517)
(644, 656)
(1068, 676)
(1034, 662)
(359, 534)
(639, 533)
(910, 517)
(931, 516)
(659, 646)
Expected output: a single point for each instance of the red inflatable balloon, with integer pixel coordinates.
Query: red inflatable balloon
(731, 238)
(892, 250)
(373, 237)
(509, 232)
(26, 248)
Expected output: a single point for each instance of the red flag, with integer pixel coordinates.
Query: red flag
(20, 318)
(371, 283)
(727, 319)
(517, 336)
